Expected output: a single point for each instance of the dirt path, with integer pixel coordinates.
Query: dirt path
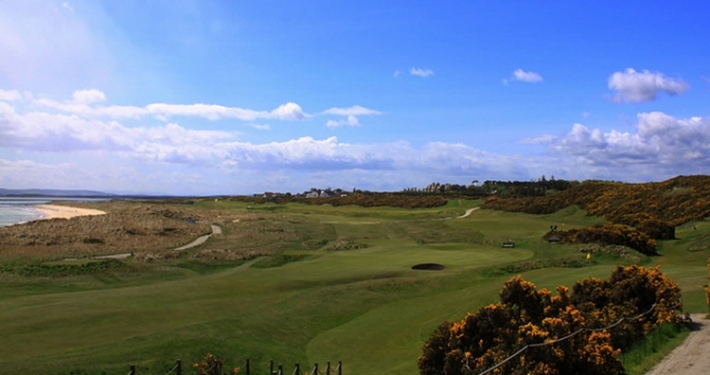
(691, 357)
(216, 229)
(468, 212)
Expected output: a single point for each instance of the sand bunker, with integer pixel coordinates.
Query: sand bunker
(428, 267)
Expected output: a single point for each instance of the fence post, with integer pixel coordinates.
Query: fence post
(298, 369)
(327, 369)
(133, 370)
(271, 367)
(315, 369)
(247, 367)
(281, 369)
(340, 368)
(178, 367)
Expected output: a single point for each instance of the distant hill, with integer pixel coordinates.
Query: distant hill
(51, 193)
(675, 201)
(654, 209)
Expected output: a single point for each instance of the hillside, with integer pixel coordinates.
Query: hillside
(638, 213)
(675, 201)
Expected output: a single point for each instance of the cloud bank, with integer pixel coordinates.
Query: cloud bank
(86, 140)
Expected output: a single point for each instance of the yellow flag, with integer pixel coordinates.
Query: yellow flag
(589, 255)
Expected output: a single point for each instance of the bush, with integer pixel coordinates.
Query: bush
(557, 331)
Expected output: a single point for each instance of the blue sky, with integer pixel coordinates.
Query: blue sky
(236, 97)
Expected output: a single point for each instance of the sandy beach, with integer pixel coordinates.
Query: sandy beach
(51, 211)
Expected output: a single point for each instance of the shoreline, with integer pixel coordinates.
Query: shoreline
(52, 211)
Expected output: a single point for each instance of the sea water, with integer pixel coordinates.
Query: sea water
(18, 210)
(15, 210)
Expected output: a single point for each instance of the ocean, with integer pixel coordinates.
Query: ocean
(14, 210)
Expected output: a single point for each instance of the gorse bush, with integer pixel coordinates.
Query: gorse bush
(528, 316)
(652, 208)
(608, 234)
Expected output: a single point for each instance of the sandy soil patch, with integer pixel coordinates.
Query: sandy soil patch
(52, 211)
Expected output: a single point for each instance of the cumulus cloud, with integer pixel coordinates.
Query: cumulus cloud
(351, 121)
(523, 76)
(633, 87)
(670, 145)
(419, 72)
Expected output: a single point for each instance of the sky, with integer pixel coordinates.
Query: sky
(193, 97)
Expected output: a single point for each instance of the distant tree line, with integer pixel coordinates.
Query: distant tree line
(532, 188)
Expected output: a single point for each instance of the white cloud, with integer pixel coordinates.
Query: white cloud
(88, 96)
(10, 95)
(261, 126)
(288, 111)
(352, 111)
(424, 73)
(84, 100)
(85, 146)
(351, 121)
(632, 86)
(661, 144)
(396, 73)
(523, 76)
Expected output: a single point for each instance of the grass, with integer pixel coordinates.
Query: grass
(301, 301)
(658, 344)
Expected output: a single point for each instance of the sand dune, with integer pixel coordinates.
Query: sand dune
(52, 211)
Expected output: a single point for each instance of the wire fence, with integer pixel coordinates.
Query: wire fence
(468, 369)
(216, 369)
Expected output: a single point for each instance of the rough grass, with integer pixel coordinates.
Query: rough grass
(365, 307)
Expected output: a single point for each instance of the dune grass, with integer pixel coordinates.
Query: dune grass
(305, 303)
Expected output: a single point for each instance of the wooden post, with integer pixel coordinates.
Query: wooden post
(178, 367)
(340, 368)
(271, 367)
(133, 370)
(281, 369)
(327, 369)
(315, 369)
(298, 369)
(247, 367)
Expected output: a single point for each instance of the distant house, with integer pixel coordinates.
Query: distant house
(312, 194)
(269, 194)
